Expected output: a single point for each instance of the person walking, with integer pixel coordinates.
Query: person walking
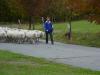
(48, 27)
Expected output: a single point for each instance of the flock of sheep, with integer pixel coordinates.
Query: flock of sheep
(16, 35)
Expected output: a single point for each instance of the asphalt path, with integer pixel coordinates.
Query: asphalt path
(75, 55)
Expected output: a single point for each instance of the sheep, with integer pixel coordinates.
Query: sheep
(20, 35)
(38, 34)
(16, 36)
(30, 36)
(33, 35)
(10, 35)
(2, 35)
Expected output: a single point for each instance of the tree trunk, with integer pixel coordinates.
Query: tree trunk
(33, 27)
(30, 22)
(70, 31)
(33, 24)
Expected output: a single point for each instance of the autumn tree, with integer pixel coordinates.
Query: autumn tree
(16, 9)
(94, 10)
(33, 8)
(74, 8)
(4, 10)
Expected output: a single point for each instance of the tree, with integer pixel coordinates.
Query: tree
(10, 10)
(74, 8)
(54, 9)
(33, 8)
(94, 11)
(16, 9)
(4, 10)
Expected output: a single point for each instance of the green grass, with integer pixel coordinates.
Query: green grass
(77, 26)
(83, 32)
(85, 26)
(16, 64)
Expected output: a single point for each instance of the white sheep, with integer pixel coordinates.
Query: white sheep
(38, 35)
(20, 35)
(2, 35)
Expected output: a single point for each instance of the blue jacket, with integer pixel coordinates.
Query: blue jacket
(48, 26)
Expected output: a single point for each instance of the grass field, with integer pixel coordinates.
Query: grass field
(83, 32)
(16, 64)
(77, 26)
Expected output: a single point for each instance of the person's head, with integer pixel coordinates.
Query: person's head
(48, 18)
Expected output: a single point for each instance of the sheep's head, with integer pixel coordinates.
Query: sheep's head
(42, 34)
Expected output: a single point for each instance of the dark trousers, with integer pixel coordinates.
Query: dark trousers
(51, 37)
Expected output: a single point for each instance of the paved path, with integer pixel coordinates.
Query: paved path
(86, 57)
